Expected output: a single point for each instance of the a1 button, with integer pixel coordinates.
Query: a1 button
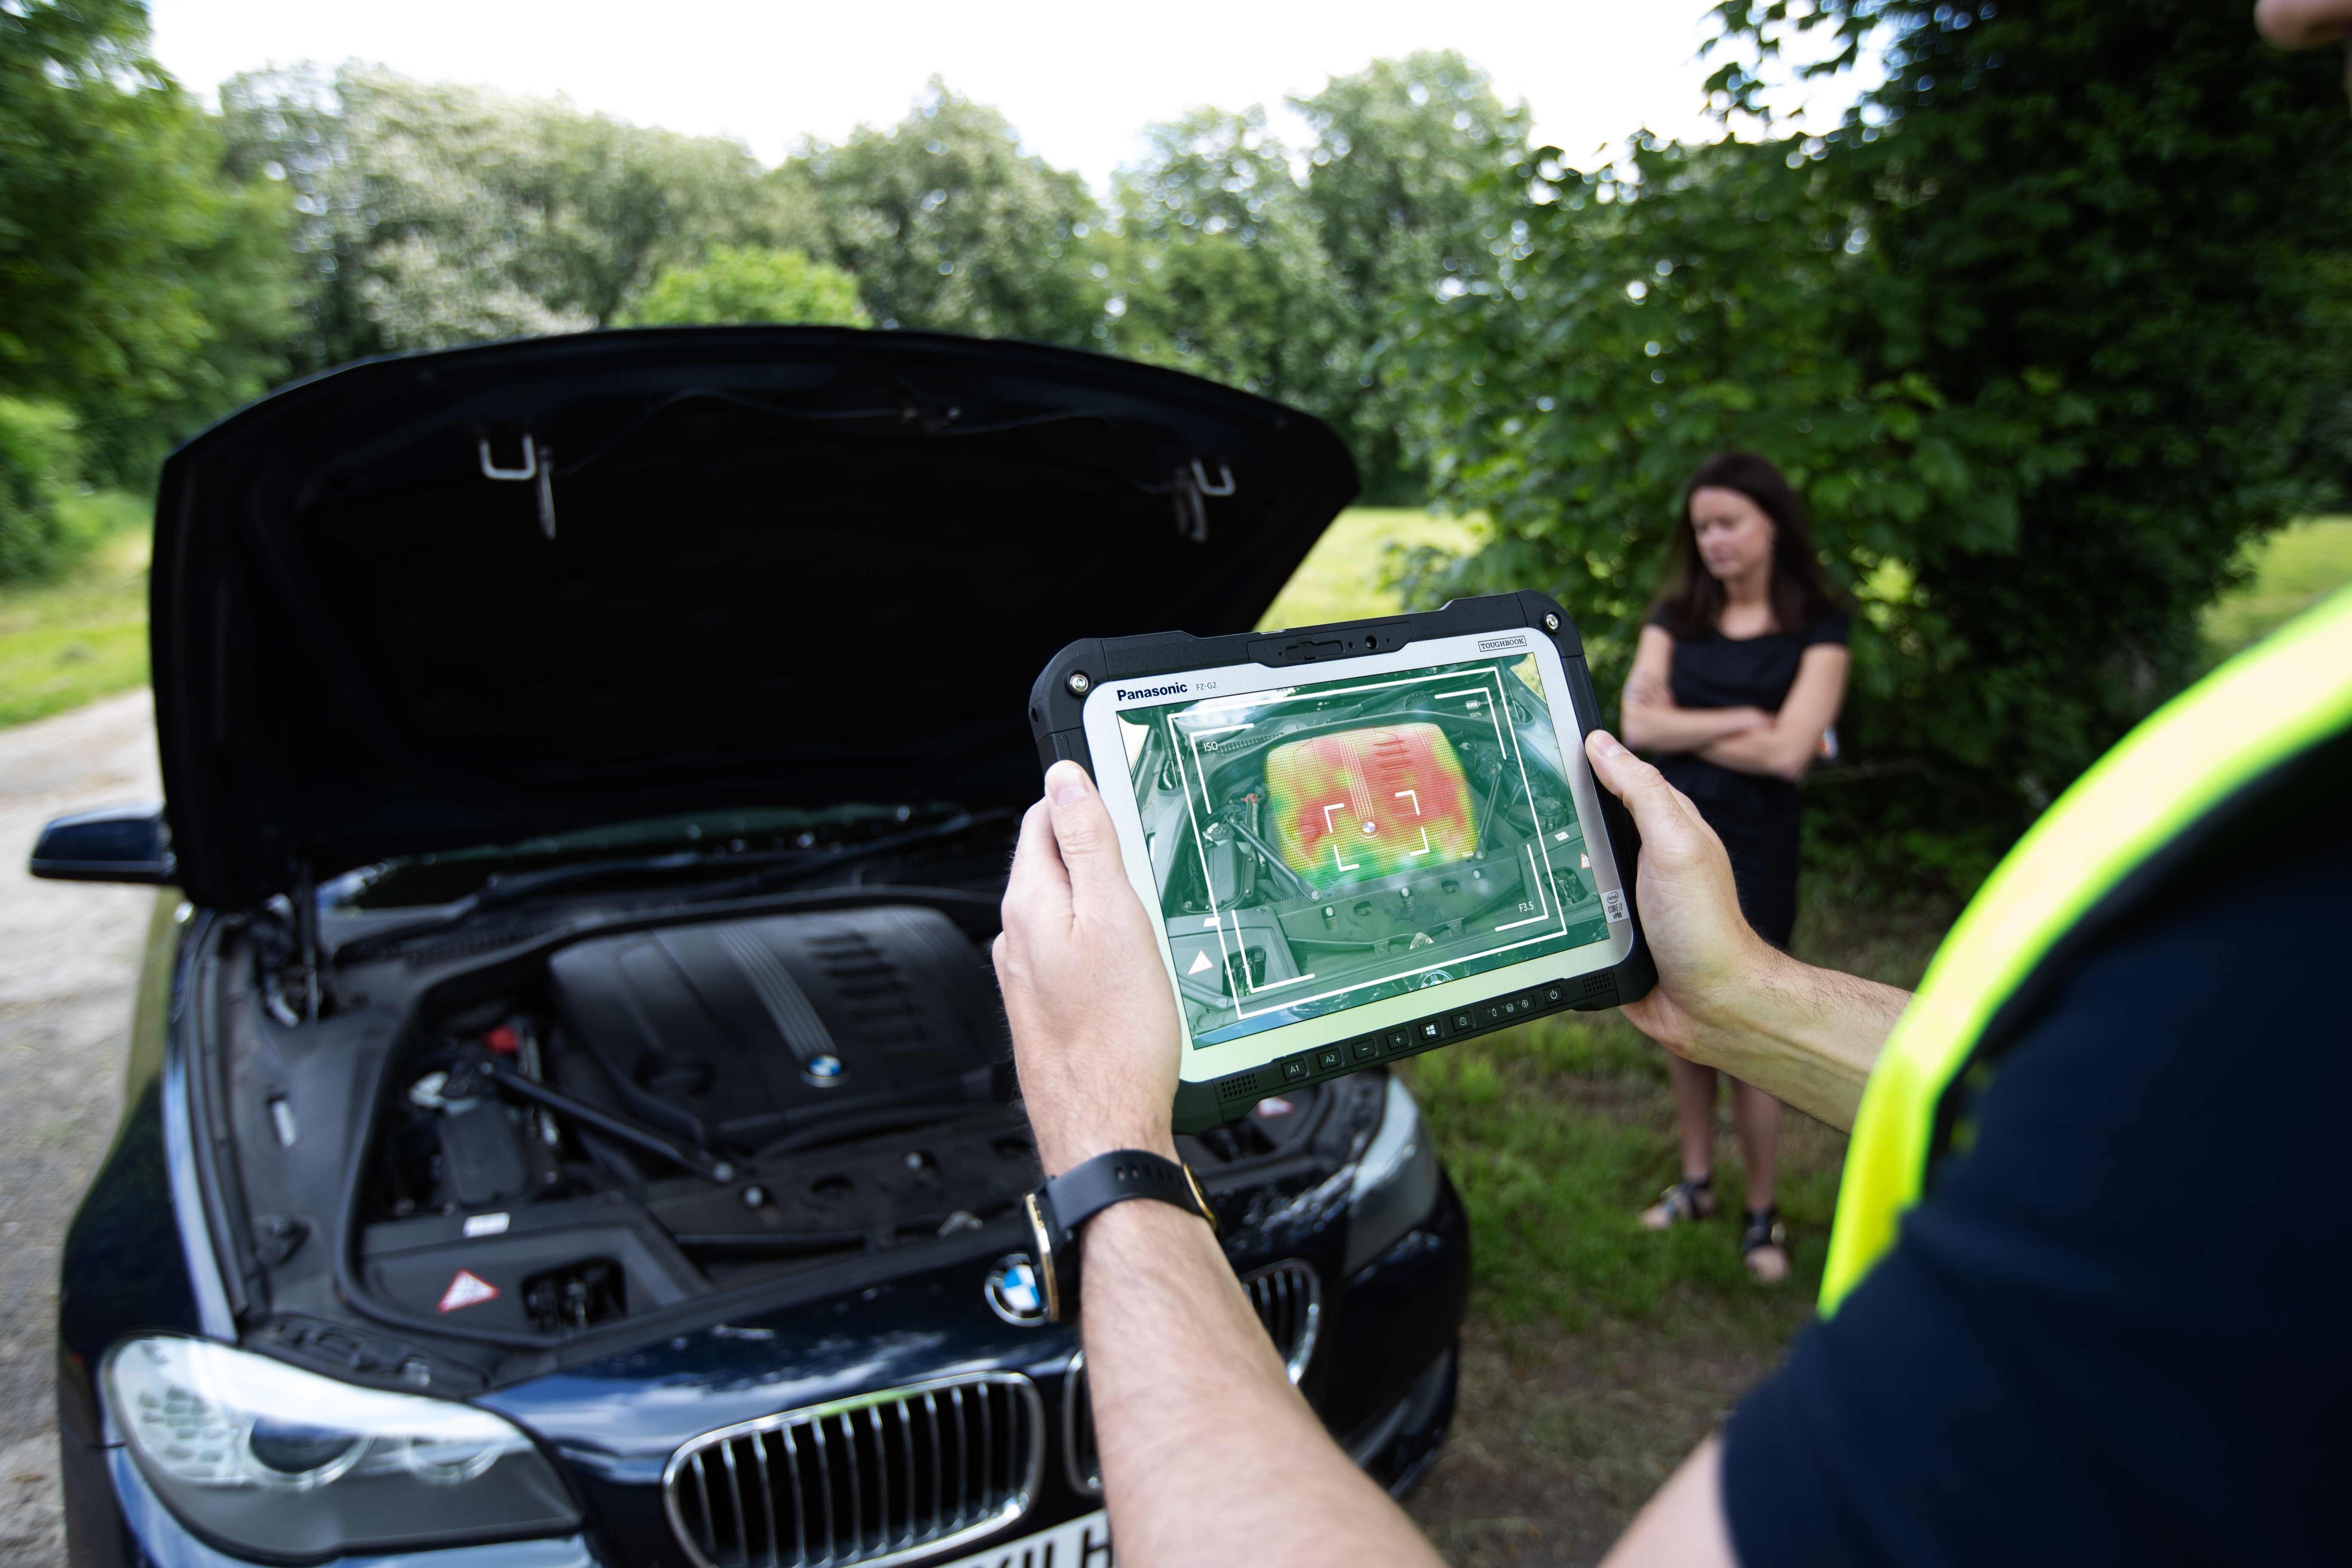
(1294, 1069)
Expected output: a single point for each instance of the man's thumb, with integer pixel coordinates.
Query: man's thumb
(1642, 787)
(1082, 827)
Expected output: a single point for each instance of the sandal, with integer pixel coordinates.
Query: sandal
(1765, 1230)
(1692, 1198)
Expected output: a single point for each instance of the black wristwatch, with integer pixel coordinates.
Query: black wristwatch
(1066, 1202)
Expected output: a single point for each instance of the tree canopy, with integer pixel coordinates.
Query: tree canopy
(947, 224)
(2045, 330)
(435, 214)
(2033, 330)
(750, 283)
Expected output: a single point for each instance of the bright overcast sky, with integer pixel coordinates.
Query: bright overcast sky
(1079, 81)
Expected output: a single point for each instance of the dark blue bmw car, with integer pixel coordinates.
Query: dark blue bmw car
(570, 1117)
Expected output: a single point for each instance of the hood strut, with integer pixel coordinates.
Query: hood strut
(306, 935)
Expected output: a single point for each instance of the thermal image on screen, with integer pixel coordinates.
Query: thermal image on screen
(1362, 804)
(1322, 845)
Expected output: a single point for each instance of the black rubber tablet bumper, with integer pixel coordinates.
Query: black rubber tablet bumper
(1056, 718)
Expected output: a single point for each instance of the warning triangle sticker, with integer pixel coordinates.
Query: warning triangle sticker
(468, 1290)
(1200, 962)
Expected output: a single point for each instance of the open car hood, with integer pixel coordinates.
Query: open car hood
(471, 597)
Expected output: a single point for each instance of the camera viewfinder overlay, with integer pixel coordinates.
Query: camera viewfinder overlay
(1318, 846)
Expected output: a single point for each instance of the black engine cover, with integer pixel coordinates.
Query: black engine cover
(739, 1032)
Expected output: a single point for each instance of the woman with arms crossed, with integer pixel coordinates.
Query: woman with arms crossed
(1737, 678)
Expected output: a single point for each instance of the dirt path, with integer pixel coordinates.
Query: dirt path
(67, 955)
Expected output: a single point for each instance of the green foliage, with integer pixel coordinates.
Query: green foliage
(433, 214)
(39, 457)
(241, 281)
(748, 283)
(83, 632)
(1404, 195)
(137, 283)
(948, 224)
(1214, 269)
(96, 194)
(2033, 331)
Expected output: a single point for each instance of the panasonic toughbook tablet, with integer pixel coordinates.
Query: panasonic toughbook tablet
(1361, 841)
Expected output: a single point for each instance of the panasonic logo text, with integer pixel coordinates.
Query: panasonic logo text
(1177, 689)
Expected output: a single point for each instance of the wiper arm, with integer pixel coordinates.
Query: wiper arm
(503, 890)
(782, 867)
(808, 866)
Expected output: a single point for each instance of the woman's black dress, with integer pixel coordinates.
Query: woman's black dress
(1755, 816)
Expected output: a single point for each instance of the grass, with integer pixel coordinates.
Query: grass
(1559, 1132)
(1345, 576)
(2294, 570)
(82, 635)
(1597, 1354)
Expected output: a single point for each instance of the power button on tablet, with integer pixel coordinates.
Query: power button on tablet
(1294, 1068)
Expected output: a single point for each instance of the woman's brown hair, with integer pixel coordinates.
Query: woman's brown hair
(1690, 601)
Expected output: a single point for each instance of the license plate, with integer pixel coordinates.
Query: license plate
(1083, 1543)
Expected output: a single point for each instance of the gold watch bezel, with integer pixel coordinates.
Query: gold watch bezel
(1041, 1237)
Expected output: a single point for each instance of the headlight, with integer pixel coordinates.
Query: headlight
(269, 1459)
(1395, 1183)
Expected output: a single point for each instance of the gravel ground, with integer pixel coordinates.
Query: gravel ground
(68, 957)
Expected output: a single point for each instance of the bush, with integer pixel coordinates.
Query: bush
(2035, 332)
(39, 457)
(748, 283)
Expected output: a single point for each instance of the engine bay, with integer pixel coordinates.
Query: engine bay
(573, 1130)
(673, 1110)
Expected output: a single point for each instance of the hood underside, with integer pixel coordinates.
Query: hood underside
(471, 597)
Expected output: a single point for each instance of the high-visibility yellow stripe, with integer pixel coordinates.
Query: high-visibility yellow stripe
(2279, 698)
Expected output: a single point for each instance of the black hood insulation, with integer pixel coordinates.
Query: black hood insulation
(471, 597)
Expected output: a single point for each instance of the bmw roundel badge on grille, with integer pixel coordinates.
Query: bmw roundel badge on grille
(1013, 1289)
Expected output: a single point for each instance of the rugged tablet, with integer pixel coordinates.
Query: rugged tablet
(1362, 840)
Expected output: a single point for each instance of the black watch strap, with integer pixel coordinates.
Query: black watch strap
(1066, 1202)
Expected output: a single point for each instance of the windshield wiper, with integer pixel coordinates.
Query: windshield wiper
(784, 876)
(782, 869)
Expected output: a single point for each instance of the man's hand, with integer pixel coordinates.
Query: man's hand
(1706, 953)
(1095, 1028)
(1726, 998)
(2303, 24)
(1190, 1399)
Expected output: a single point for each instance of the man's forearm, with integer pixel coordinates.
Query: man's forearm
(1189, 1396)
(1803, 1035)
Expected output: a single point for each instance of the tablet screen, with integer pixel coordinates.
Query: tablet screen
(1318, 847)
